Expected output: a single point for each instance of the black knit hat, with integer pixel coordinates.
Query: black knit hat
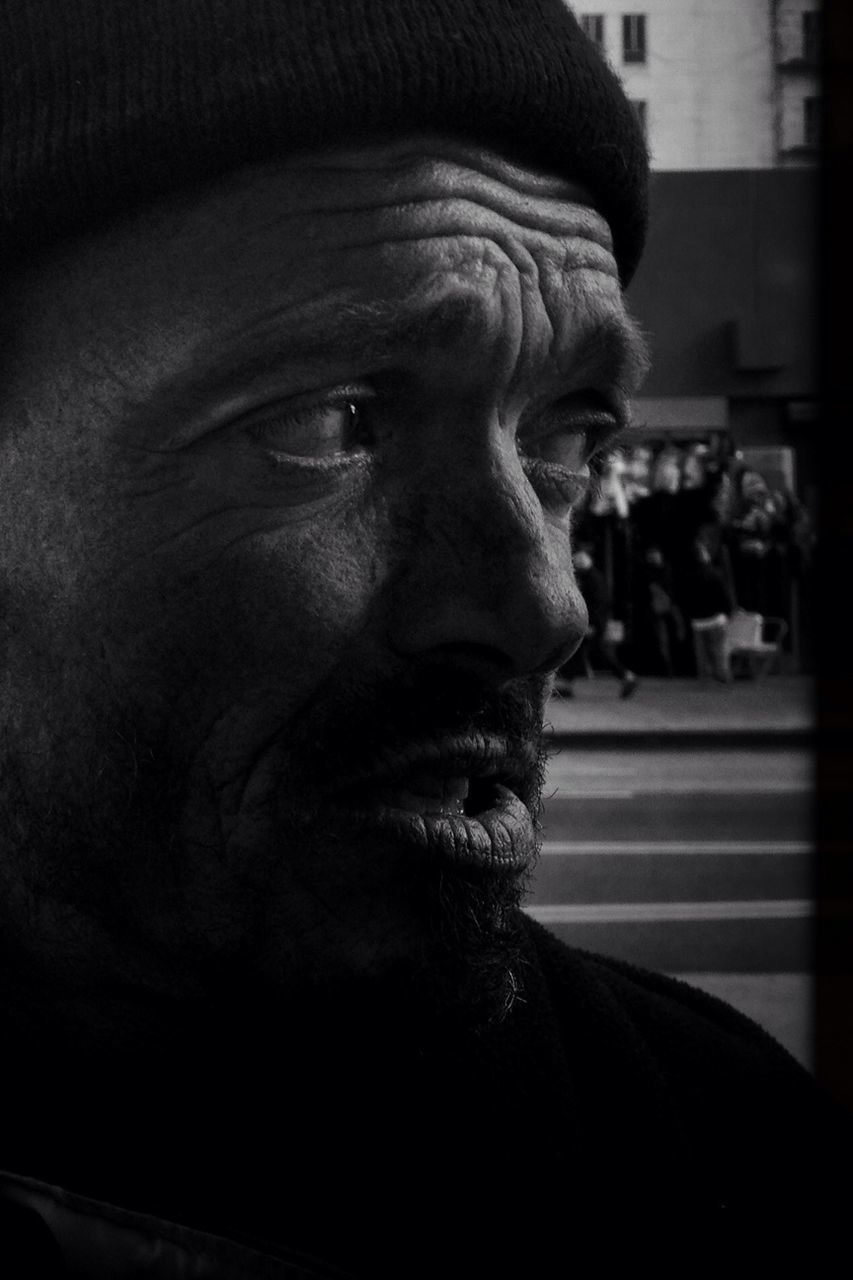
(106, 104)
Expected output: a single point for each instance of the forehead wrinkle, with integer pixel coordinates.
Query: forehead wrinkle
(412, 152)
(424, 301)
(607, 339)
(576, 326)
(461, 302)
(434, 200)
(456, 225)
(336, 324)
(415, 167)
(433, 214)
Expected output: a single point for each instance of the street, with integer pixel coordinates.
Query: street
(692, 861)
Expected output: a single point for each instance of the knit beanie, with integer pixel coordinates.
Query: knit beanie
(108, 104)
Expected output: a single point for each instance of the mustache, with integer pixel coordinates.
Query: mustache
(367, 725)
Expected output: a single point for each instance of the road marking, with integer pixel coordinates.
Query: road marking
(650, 912)
(594, 769)
(594, 793)
(739, 848)
(693, 787)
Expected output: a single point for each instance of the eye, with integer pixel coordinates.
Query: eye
(558, 448)
(570, 433)
(322, 429)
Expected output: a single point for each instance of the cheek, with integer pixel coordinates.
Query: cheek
(302, 595)
(241, 619)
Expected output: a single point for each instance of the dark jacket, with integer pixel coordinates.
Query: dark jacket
(704, 591)
(593, 588)
(615, 1118)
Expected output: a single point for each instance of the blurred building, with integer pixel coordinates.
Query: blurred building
(728, 92)
(718, 84)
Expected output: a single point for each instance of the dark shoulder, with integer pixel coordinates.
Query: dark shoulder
(670, 1010)
(733, 1130)
(711, 1058)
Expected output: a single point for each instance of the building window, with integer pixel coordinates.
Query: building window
(811, 35)
(633, 37)
(811, 123)
(640, 111)
(593, 26)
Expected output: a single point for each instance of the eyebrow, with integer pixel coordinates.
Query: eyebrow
(610, 348)
(378, 329)
(359, 330)
(614, 347)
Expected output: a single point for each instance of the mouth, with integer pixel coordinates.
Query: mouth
(431, 794)
(460, 800)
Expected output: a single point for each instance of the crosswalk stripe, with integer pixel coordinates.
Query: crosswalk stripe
(648, 912)
(567, 790)
(741, 848)
(565, 796)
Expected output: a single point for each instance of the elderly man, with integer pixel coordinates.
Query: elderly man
(313, 326)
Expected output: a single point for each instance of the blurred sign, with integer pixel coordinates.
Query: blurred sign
(680, 415)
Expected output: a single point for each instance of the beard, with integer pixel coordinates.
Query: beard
(115, 827)
(466, 958)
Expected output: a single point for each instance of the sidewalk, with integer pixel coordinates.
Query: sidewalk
(777, 709)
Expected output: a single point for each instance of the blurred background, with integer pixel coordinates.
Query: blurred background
(680, 820)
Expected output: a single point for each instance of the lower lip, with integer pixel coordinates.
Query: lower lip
(501, 837)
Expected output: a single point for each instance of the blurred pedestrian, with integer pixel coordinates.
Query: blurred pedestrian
(660, 620)
(599, 645)
(610, 497)
(694, 467)
(661, 518)
(763, 535)
(637, 476)
(708, 603)
(756, 530)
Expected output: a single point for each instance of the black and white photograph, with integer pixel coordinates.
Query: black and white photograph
(425, 682)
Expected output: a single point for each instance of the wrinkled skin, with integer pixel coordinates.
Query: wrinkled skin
(288, 469)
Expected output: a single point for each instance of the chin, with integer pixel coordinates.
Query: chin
(455, 953)
(426, 928)
(478, 940)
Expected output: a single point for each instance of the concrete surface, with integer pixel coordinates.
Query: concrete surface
(783, 705)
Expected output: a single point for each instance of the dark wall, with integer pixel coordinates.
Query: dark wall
(726, 291)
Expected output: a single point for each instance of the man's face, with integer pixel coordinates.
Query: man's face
(289, 470)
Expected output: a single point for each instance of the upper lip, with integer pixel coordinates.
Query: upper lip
(482, 756)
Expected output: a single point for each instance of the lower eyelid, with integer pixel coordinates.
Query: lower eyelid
(332, 462)
(568, 487)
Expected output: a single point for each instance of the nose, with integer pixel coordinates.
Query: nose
(483, 573)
